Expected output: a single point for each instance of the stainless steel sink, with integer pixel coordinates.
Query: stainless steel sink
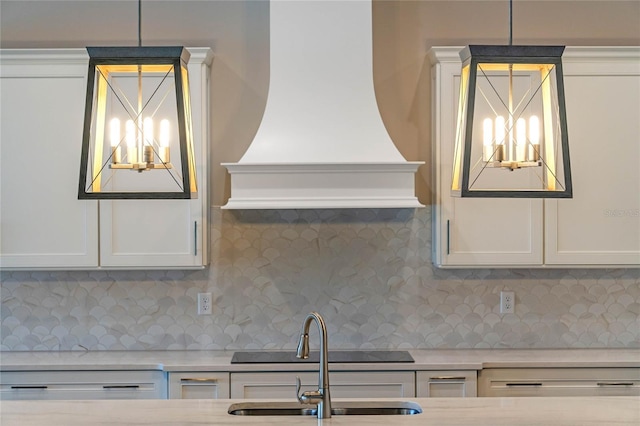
(344, 408)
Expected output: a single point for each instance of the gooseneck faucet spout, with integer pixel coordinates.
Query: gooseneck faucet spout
(322, 396)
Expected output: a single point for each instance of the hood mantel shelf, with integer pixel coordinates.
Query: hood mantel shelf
(317, 186)
(322, 142)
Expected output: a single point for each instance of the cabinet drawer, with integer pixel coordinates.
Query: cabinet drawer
(370, 384)
(76, 385)
(559, 382)
(198, 385)
(446, 384)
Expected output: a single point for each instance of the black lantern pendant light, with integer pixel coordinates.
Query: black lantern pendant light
(511, 138)
(137, 124)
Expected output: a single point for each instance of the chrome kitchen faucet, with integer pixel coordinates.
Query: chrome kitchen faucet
(321, 397)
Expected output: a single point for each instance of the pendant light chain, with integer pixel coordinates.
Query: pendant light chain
(510, 22)
(139, 23)
(139, 127)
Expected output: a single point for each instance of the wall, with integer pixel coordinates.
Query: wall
(369, 270)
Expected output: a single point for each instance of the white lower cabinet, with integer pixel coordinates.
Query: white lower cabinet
(446, 384)
(559, 382)
(198, 385)
(76, 385)
(361, 384)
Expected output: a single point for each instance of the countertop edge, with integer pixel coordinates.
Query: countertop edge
(220, 361)
(551, 411)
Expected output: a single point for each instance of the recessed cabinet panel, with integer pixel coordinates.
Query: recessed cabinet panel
(446, 384)
(82, 385)
(605, 166)
(148, 233)
(164, 233)
(509, 382)
(495, 231)
(469, 232)
(370, 384)
(198, 385)
(43, 223)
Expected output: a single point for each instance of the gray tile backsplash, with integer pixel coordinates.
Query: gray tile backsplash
(368, 271)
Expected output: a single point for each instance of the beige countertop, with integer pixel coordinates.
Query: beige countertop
(427, 359)
(565, 411)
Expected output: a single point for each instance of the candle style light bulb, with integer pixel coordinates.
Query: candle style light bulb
(487, 139)
(130, 138)
(534, 130)
(534, 138)
(114, 136)
(521, 139)
(500, 135)
(164, 141)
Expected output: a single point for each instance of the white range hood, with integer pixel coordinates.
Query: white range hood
(321, 142)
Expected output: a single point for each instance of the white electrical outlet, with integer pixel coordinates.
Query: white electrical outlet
(507, 302)
(204, 304)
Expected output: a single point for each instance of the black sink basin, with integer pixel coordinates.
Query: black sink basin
(280, 357)
(344, 408)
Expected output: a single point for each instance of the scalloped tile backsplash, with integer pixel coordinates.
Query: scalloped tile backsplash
(368, 271)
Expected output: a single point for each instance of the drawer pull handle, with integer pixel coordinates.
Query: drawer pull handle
(29, 387)
(615, 384)
(525, 384)
(445, 378)
(120, 386)
(198, 380)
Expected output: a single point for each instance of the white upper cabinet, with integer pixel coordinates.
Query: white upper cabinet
(42, 222)
(473, 231)
(43, 225)
(600, 225)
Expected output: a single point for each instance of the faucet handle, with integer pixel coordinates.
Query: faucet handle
(298, 386)
(310, 397)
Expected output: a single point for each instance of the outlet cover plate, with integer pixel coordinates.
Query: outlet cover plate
(204, 304)
(507, 302)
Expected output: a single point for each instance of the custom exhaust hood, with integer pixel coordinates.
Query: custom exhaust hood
(321, 142)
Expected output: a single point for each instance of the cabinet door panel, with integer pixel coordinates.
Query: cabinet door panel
(148, 233)
(44, 225)
(494, 232)
(601, 224)
(475, 231)
(164, 233)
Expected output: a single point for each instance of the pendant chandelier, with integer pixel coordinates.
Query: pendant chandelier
(511, 138)
(138, 140)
